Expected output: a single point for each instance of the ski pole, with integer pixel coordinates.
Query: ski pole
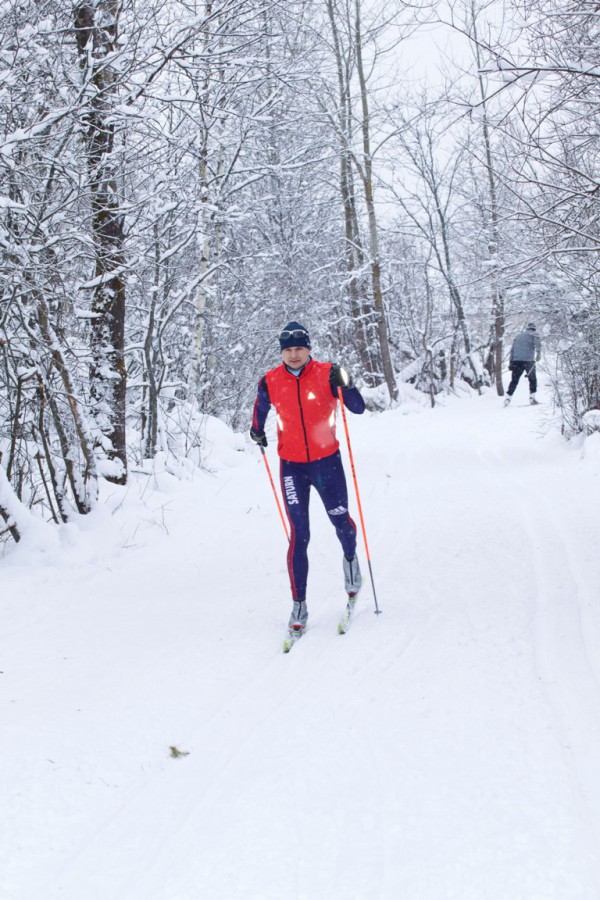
(360, 512)
(275, 494)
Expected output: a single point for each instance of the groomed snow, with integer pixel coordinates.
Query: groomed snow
(448, 749)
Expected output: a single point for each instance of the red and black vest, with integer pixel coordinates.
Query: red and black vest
(305, 409)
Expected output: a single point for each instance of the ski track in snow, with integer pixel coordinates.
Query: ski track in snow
(445, 750)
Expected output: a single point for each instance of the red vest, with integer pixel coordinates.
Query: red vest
(305, 410)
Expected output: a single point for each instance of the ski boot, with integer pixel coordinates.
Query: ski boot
(352, 583)
(352, 576)
(296, 625)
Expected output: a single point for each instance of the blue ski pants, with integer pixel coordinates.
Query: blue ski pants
(328, 478)
(518, 367)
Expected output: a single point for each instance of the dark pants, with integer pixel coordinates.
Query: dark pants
(518, 367)
(327, 477)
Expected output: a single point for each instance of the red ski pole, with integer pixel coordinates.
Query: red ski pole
(275, 494)
(360, 512)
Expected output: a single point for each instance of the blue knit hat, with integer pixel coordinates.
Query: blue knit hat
(294, 335)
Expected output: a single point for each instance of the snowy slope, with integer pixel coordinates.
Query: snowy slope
(446, 749)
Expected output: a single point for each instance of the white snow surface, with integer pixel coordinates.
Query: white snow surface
(448, 749)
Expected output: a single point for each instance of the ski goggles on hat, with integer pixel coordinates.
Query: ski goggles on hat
(297, 333)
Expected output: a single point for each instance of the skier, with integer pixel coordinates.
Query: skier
(525, 351)
(304, 393)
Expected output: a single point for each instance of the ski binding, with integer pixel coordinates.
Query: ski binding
(292, 637)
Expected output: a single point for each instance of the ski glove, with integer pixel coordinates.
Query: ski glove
(339, 377)
(259, 437)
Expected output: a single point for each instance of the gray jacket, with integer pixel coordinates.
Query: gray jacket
(526, 347)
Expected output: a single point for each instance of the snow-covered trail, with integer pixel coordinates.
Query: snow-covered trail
(446, 749)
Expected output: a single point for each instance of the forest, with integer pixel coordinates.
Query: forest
(179, 179)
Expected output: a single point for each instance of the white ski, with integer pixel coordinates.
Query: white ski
(344, 623)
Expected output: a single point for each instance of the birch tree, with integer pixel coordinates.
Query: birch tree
(494, 232)
(43, 420)
(553, 83)
(432, 205)
(352, 118)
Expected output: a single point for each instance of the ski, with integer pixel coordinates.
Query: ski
(292, 637)
(344, 623)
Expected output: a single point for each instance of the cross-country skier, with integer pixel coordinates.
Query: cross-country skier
(525, 351)
(304, 393)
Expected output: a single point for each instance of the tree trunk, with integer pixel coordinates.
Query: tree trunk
(150, 410)
(353, 249)
(367, 175)
(96, 36)
(85, 491)
(6, 492)
(445, 263)
(209, 235)
(497, 305)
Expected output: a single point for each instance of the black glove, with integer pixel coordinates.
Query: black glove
(259, 437)
(339, 377)
(510, 366)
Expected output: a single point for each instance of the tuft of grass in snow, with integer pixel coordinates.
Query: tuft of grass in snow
(176, 753)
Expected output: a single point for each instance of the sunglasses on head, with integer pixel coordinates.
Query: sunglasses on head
(294, 333)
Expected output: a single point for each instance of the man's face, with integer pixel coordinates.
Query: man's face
(295, 357)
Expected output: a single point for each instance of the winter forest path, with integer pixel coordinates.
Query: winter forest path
(446, 750)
